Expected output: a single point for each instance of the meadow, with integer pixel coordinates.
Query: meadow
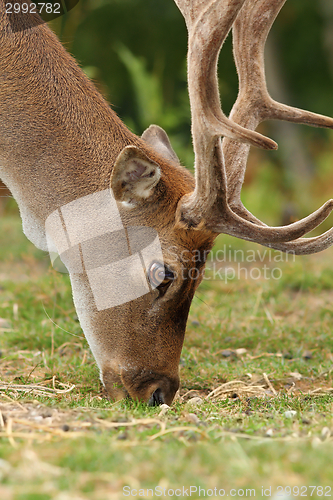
(253, 415)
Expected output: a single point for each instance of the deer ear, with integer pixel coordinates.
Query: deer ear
(134, 176)
(158, 139)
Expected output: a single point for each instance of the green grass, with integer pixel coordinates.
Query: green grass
(271, 429)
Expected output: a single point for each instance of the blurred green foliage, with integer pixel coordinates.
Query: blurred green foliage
(153, 31)
(135, 51)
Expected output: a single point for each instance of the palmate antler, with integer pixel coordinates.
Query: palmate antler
(220, 166)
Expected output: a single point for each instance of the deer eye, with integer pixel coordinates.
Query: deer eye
(160, 276)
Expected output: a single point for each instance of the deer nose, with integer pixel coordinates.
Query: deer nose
(141, 385)
(157, 398)
(163, 391)
(152, 388)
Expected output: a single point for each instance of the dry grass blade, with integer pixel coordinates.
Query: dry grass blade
(266, 354)
(140, 421)
(289, 439)
(2, 422)
(38, 436)
(37, 389)
(177, 429)
(18, 423)
(321, 391)
(13, 401)
(52, 428)
(32, 421)
(237, 386)
(268, 382)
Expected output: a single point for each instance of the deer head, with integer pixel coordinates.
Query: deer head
(128, 221)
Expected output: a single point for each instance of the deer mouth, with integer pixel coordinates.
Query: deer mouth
(153, 388)
(140, 385)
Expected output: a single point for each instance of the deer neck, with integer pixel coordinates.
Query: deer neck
(58, 137)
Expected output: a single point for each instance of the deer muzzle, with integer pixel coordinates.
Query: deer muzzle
(141, 385)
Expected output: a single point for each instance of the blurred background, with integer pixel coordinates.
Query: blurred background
(135, 51)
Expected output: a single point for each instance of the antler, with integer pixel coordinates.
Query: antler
(215, 203)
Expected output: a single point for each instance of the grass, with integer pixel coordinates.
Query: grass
(254, 410)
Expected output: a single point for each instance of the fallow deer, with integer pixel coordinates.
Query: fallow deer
(70, 162)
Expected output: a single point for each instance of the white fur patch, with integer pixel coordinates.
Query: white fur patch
(33, 228)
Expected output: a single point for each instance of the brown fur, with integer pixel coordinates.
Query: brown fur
(59, 140)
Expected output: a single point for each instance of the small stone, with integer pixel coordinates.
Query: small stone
(195, 323)
(65, 428)
(196, 401)
(325, 433)
(241, 351)
(164, 409)
(122, 436)
(226, 353)
(290, 414)
(315, 442)
(5, 468)
(269, 433)
(192, 418)
(46, 414)
(5, 323)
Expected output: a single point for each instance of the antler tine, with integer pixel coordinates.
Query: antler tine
(301, 246)
(215, 203)
(233, 224)
(254, 105)
(305, 246)
(208, 23)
